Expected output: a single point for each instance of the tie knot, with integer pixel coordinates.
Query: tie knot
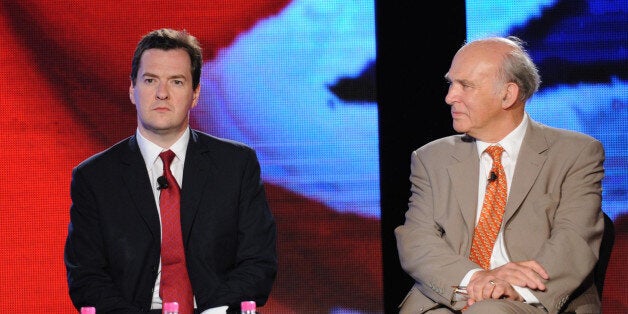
(495, 152)
(167, 157)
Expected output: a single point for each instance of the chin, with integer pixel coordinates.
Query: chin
(459, 128)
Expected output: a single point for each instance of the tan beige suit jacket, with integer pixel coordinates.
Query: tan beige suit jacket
(553, 215)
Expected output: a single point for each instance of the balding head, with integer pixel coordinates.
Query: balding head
(516, 64)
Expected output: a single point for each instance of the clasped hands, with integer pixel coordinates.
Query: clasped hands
(498, 283)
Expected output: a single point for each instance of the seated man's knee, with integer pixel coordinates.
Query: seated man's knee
(501, 306)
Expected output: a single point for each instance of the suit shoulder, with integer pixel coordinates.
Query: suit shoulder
(442, 150)
(217, 143)
(445, 144)
(107, 155)
(569, 137)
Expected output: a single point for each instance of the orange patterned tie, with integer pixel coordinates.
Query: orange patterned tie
(175, 284)
(492, 211)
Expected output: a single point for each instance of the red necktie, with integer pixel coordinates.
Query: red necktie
(175, 284)
(492, 211)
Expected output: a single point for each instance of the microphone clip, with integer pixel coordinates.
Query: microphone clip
(492, 177)
(162, 183)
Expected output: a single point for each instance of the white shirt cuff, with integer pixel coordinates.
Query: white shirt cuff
(216, 310)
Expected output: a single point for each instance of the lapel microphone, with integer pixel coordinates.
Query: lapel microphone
(492, 178)
(162, 183)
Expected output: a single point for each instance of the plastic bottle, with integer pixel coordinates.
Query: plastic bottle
(88, 310)
(171, 308)
(248, 307)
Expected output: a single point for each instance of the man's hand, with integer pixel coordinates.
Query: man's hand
(498, 283)
(491, 289)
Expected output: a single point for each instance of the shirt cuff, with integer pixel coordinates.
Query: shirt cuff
(216, 310)
(527, 295)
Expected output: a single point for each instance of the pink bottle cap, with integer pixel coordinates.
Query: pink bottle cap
(88, 310)
(248, 306)
(171, 307)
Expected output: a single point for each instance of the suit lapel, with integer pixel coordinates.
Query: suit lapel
(529, 164)
(463, 174)
(135, 177)
(197, 169)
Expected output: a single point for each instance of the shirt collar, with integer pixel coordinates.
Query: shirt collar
(150, 151)
(511, 143)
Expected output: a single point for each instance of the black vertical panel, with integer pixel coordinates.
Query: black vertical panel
(415, 43)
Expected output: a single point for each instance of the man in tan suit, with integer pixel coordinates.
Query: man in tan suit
(548, 244)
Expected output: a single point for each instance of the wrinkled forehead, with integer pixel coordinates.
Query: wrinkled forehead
(476, 63)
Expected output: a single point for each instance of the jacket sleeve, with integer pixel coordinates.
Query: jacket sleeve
(88, 269)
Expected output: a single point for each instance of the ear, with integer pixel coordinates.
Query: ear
(511, 95)
(131, 90)
(195, 96)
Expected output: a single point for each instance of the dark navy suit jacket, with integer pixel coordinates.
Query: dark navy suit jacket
(113, 245)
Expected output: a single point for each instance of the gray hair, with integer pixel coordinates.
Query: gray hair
(519, 68)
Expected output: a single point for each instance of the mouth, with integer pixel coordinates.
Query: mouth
(161, 107)
(456, 113)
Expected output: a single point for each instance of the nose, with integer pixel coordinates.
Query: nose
(450, 96)
(162, 92)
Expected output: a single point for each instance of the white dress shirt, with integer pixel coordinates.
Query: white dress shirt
(150, 152)
(511, 144)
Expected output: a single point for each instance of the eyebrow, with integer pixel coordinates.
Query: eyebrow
(176, 76)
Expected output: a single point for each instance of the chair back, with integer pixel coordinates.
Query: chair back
(608, 240)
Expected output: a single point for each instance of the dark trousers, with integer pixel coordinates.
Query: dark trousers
(159, 312)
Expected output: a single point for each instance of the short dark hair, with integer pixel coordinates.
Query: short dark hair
(167, 39)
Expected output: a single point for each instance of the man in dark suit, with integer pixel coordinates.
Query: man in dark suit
(548, 243)
(112, 252)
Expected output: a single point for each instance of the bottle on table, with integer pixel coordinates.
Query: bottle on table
(248, 307)
(171, 308)
(88, 310)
